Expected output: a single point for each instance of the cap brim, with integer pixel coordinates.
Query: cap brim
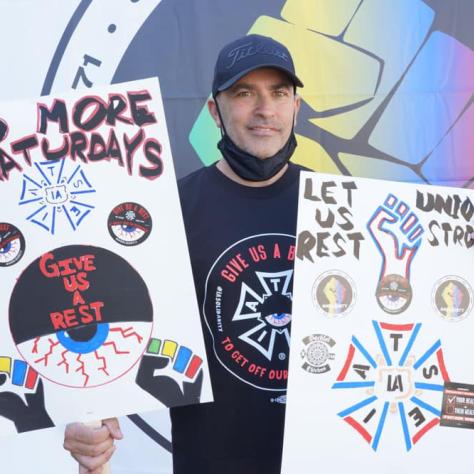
(234, 79)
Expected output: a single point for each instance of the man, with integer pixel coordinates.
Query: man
(240, 219)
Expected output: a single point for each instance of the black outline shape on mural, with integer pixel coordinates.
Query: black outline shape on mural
(157, 437)
(394, 292)
(29, 415)
(165, 389)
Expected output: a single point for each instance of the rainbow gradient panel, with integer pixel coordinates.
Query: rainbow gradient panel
(387, 94)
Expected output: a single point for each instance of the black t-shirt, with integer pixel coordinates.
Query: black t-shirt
(241, 242)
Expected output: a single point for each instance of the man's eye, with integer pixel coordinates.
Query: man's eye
(244, 93)
(281, 93)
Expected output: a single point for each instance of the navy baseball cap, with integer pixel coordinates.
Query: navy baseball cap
(246, 54)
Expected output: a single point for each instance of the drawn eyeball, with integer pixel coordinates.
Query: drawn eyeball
(129, 224)
(394, 294)
(12, 245)
(276, 310)
(93, 316)
(278, 319)
(127, 233)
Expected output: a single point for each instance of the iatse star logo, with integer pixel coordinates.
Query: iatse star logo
(258, 305)
(247, 309)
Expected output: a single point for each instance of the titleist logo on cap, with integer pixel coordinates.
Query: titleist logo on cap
(237, 54)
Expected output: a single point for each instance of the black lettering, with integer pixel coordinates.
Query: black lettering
(55, 154)
(446, 226)
(91, 120)
(396, 338)
(308, 190)
(58, 113)
(321, 248)
(467, 210)
(7, 163)
(361, 370)
(417, 416)
(24, 145)
(305, 244)
(341, 251)
(347, 224)
(152, 150)
(78, 143)
(429, 372)
(117, 106)
(356, 238)
(328, 222)
(349, 186)
(113, 148)
(468, 241)
(394, 384)
(140, 113)
(131, 147)
(434, 241)
(325, 193)
(3, 130)
(97, 150)
(369, 415)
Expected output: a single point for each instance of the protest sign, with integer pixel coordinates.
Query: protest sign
(98, 303)
(381, 373)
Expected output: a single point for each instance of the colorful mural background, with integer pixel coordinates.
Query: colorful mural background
(388, 94)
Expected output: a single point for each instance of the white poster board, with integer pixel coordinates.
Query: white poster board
(100, 317)
(381, 367)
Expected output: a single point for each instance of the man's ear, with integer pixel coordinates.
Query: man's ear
(212, 107)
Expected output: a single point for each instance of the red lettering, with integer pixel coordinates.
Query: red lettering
(70, 317)
(276, 251)
(76, 282)
(228, 276)
(58, 320)
(97, 306)
(86, 317)
(291, 253)
(77, 299)
(49, 271)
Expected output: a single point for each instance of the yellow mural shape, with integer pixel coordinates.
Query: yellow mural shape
(312, 155)
(333, 74)
(330, 17)
(169, 348)
(5, 364)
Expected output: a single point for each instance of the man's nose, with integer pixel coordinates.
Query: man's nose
(264, 106)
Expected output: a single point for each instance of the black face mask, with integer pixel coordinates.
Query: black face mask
(250, 167)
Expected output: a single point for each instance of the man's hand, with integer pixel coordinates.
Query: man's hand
(92, 447)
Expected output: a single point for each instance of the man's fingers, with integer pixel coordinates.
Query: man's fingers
(92, 450)
(113, 426)
(78, 432)
(94, 464)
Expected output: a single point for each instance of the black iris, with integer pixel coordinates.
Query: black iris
(83, 333)
(276, 303)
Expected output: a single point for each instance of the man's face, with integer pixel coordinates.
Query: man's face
(258, 111)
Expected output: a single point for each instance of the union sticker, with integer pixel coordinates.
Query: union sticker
(334, 294)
